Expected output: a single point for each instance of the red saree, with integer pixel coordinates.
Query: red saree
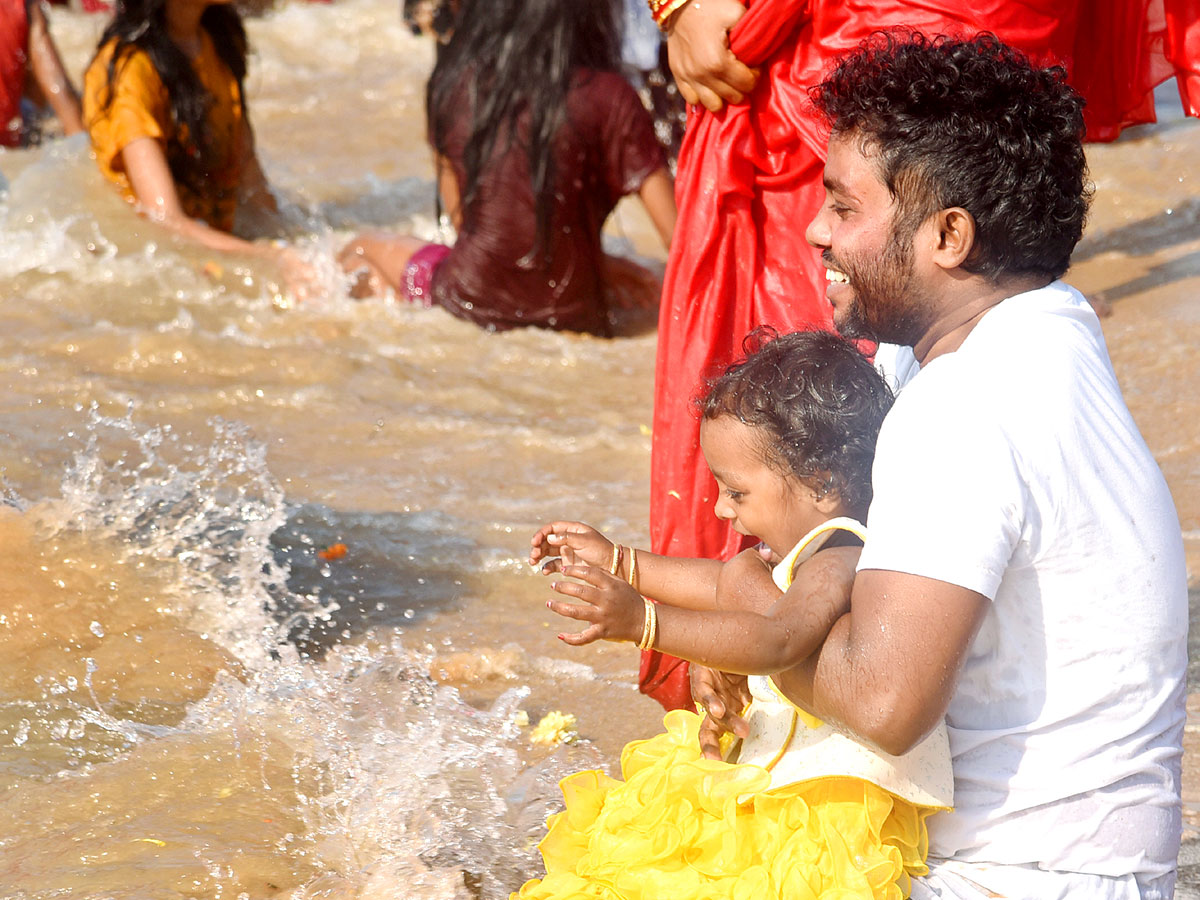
(14, 56)
(750, 180)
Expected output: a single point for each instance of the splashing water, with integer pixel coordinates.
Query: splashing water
(157, 719)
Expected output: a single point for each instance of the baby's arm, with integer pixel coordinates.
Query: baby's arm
(745, 583)
(741, 641)
(690, 583)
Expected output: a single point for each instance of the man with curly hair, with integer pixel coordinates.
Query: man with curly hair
(1023, 575)
(750, 177)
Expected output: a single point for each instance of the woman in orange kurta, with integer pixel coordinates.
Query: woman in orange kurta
(164, 105)
(749, 181)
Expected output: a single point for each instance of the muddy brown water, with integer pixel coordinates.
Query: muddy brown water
(193, 702)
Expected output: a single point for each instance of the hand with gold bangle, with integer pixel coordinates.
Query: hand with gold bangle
(559, 544)
(608, 605)
(705, 69)
(608, 580)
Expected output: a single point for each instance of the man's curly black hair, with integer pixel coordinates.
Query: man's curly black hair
(973, 124)
(819, 403)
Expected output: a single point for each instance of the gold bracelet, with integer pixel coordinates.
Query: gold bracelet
(661, 10)
(641, 645)
(649, 627)
(615, 565)
(653, 610)
(633, 567)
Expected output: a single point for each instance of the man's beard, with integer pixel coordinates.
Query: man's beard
(886, 305)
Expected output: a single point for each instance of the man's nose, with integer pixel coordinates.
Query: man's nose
(817, 232)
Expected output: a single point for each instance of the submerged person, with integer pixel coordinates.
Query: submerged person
(536, 136)
(31, 69)
(805, 811)
(164, 104)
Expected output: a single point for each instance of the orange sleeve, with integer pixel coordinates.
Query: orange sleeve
(134, 106)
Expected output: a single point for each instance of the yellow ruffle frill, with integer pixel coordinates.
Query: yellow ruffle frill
(682, 826)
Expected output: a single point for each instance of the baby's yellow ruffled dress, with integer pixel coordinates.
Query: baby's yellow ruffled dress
(807, 812)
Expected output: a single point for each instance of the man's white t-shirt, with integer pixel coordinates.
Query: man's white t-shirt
(1013, 468)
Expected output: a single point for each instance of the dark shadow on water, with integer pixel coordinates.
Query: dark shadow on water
(397, 570)
(1175, 270)
(1142, 238)
(1178, 223)
(1180, 226)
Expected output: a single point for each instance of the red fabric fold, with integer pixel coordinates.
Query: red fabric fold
(750, 181)
(14, 57)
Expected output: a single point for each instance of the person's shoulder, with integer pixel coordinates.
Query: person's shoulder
(599, 79)
(1046, 316)
(1027, 336)
(121, 81)
(1024, 366)
(132, 63)
(603, 89)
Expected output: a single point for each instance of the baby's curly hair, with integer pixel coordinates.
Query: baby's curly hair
(973, 124)
(819, 403)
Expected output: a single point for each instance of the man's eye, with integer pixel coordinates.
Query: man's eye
(734, 495)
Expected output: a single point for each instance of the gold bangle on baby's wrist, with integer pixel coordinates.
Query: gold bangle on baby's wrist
(649, 626)
(615, 566)
(633, 567)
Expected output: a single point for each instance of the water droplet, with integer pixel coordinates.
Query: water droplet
(97, 629)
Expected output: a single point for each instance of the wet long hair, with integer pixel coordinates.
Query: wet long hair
(513, 57)
(142, 25)
(818, 402)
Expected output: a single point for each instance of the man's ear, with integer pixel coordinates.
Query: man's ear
(954, 237)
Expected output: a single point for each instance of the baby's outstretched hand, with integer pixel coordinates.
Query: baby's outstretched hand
(569, 544)
(615, 611)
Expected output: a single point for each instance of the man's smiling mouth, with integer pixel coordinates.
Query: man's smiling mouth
(833, 275)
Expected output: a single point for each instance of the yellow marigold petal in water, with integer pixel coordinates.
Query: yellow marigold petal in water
(554, 728)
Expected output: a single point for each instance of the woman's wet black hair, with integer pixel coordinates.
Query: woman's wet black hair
(515, 57)
(970, 124)
(142, 25)
(819, 403)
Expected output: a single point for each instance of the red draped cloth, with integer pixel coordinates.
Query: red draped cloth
(14, 43)
(750, 181)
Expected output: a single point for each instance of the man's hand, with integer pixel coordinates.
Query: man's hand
(723, 697)
(704, 67)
